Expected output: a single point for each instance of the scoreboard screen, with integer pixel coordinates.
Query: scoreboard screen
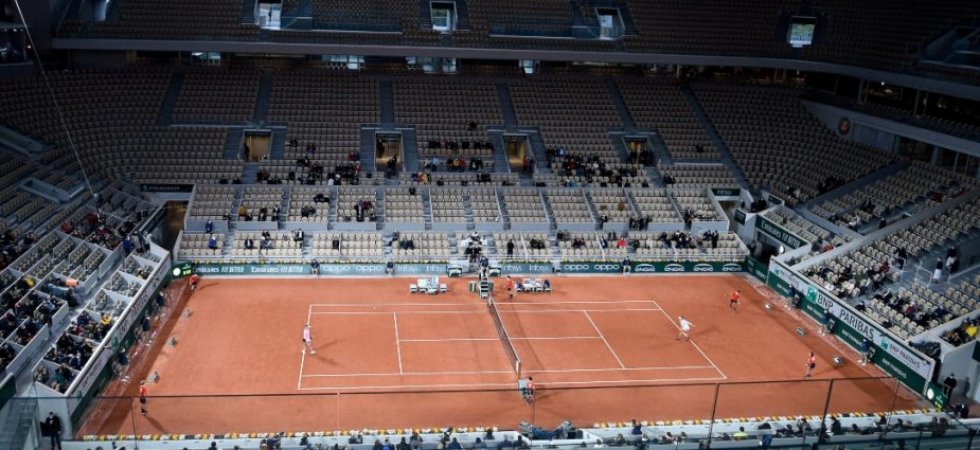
(181, 269)
(801, 31)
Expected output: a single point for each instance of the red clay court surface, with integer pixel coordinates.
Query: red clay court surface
(599, 348)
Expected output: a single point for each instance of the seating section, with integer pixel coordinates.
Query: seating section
(658, 103)
(523, 205)
(309, 204)
(698, 175)
(655, 205)
(568, 206)
(527, 246)
(421, 247)
(447, 205)
(611, 204)
(912, 311)
(261, 203)
(580, 247)
(195, 245)
(349, 246)
(401, 205)
(217, 96)
(166, 19)
(695, 204)
(359, 15)
(779, 145)
(441, 110)
(484, 205)
(280, 245)
(918, 187)
(804, 228)
(938, 231)
(458, 179)
(212, 202)
(326, 109)
(348, 201)
(572, 113)
(681, 246)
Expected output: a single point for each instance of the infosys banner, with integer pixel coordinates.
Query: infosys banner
(778, 232)
(652, 267)
(892, 356)
(325, 269)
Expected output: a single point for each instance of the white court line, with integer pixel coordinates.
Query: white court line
(451, 340)
(613, 369)
(545, 311)
(479, 304)
(385, 313)
(415, 386)
(302, 359)
(398, 343)
(507, 385)
(392, 374)
(587, 316)
(521, 311)
(555, 338)
(705, 356)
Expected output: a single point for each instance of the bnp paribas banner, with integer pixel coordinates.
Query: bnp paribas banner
(652, 267)
(892, 356)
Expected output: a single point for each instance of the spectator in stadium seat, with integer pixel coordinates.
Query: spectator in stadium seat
(505, 444)
(636, 429)
(298, 237)
(356, 439)
(454, 445)
(212, 242)
(209, 226)
(619, 441)
(249, 244)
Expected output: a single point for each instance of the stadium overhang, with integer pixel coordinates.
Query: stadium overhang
(922, 82)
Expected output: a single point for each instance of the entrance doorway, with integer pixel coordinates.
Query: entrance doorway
(255, 147)
(638, 151)
(388, 152)
(517, 150)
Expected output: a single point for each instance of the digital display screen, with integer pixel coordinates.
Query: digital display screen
(801, 31)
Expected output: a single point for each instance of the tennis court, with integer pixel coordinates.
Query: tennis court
(600, 349)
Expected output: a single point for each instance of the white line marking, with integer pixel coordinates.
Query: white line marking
(613, 369)
(556, 338)
(587, 316)
(398, 343)
(517, 302)
(506, 385)
(451, 340)
(302, 359)
(394, 374)
(545, 311)
(415, 386)
(520, 311)
(384, 313)
(703, 355)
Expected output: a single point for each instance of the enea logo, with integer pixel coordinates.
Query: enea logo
(674, 268)
(731, 267)
(645, 268)
(702, 267)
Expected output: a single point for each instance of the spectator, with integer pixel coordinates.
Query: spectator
(740, 435)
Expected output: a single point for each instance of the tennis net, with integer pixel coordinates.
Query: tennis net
(504, 336)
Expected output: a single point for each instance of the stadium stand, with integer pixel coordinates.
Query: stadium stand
(658, 104)
(779, 145)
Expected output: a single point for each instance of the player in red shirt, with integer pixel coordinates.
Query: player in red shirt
(811, 363)
(143, 392)
(511, 288)
(733, 301)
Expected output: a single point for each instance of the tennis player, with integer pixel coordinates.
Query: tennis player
(308, 340)
(143, 392)
(685, 327)
(811, 363)
(733, 300)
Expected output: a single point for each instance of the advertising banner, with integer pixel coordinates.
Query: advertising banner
(779, 233)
